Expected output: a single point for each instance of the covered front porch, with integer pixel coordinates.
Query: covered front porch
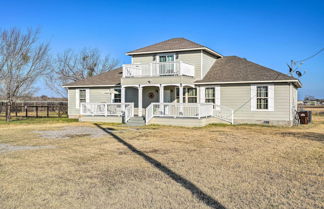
(168, 104)
(144, 95)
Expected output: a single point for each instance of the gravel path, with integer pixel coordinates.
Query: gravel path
(8, 148)
(71, 132)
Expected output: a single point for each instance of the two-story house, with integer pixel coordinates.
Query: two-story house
(180, 82)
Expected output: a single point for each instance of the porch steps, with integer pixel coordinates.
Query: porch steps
(136, 121)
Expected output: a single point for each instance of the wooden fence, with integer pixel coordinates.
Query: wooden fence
(35, 109)
(316, 109)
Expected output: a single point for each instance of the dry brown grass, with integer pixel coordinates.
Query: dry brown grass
(165, 167)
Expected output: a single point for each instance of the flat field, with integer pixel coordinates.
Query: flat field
(67, 164)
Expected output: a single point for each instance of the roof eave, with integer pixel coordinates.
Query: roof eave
(299, 85)
(176, 50)
(86, 86)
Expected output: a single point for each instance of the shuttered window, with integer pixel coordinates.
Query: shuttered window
(83, 96)
(210, 95)
(262, 98)
(117, 95)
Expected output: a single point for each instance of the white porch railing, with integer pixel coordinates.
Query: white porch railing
(158, 69)
(107, 109)
(189, 110)
(223, 113)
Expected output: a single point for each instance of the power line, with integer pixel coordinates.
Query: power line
(310, 57)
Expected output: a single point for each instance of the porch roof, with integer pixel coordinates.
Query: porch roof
(110, 78)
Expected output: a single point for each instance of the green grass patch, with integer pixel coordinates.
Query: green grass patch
(36, 120)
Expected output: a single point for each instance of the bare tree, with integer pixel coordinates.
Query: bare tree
(22, 61)
(72, 66)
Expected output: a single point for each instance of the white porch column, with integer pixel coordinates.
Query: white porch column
(180, 93)
(122, 92)
(161, 98)
(161, 93)
(140, 100)
(181, 99)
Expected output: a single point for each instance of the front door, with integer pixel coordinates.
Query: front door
(166, 64)
(167, 96)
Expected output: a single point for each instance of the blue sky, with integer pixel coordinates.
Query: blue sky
(270, 33)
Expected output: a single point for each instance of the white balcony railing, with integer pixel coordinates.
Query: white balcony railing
(107, 109)
(158, 69)
(189, 110)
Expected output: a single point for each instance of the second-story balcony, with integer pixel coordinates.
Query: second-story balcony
(158, 69)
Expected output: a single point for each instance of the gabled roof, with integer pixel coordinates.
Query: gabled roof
(110, 78)
(233, 69)
(171, 45)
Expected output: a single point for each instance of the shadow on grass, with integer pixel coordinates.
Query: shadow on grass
(305, 135)
(198, 193)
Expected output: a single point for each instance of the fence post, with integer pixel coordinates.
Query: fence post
(47, 111)
(26, 111)
(59, 111)
(36, 111)
(16, 110)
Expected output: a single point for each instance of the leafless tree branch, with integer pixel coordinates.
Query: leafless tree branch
(22, 61)
(71, 66)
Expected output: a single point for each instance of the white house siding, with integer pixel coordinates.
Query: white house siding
(95, 95)
(189, 57)
(238, 97)
(157, 80)
(208, 60)
(142, 59)
(192, 58)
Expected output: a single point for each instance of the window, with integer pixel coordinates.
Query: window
(166, 65)
(83, 96)
(189, 95)
(117, 95)
(192, 95)
(210, 95)
(166, 58)
(262, 98)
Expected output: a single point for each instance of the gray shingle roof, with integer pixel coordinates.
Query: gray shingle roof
(235, 69)
(173, 44)
(111, 77)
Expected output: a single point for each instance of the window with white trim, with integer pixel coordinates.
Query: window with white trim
(82, 95)
(117, 95)
(210, 95)
(189, 95)
(166, 64)
(262, 97)
(192, 95)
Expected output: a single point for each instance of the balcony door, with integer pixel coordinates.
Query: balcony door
(166, 64)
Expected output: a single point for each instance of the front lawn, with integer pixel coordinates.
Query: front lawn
(81, 165)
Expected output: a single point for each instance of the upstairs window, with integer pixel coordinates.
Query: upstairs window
(262, 98)
(210, 95)
(166, 64)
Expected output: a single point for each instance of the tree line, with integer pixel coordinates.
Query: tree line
(24, 59)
